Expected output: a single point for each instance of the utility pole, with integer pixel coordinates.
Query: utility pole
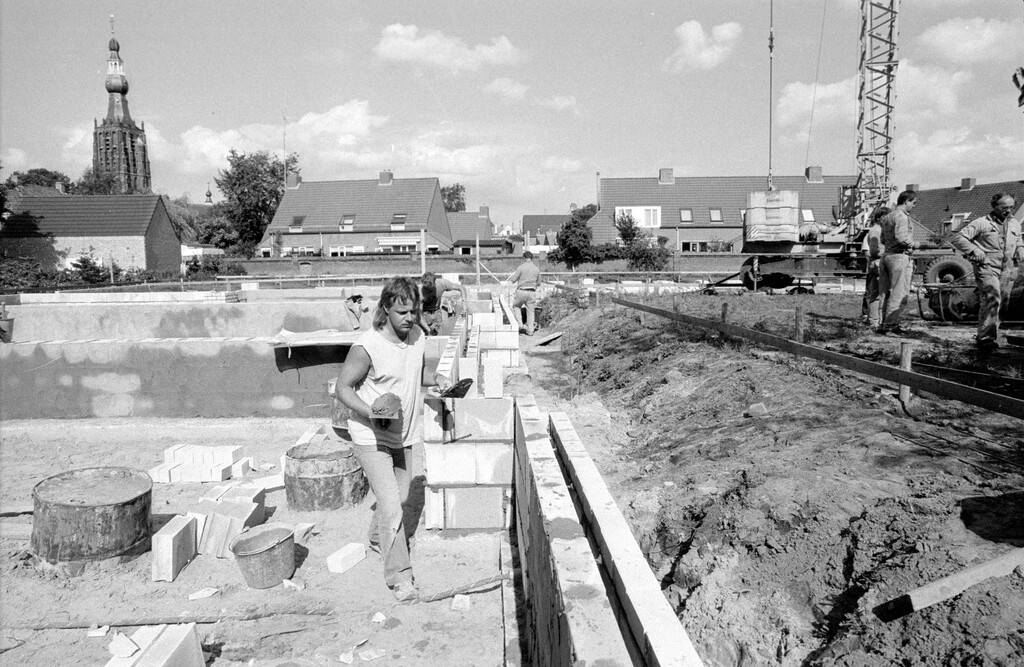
(284, 151)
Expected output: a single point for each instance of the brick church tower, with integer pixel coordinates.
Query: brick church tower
(118, 144)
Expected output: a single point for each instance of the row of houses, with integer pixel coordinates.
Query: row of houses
(403, 215)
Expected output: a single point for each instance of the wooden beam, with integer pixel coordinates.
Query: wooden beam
(1006, 405)
(951, 586)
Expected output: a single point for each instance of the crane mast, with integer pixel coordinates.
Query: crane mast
(876, 100)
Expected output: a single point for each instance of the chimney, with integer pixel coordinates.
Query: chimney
(665, 176)
(913, 187)
(968, 183)
(813, 174)
(385, 178)
(293, 182)
(485, 212)
(59, 187)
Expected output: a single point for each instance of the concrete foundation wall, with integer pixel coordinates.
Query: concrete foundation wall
(50, 322)
(159, 378)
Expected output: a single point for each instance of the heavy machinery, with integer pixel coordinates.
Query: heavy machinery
(784, 251)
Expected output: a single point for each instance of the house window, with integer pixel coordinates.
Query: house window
(686, 215)
(347, 223)
(807, 214)
(652, 218)
(264, 252)
(648, 217)
(465, 250)
(296, 225)
(286, 251)
(398, 222)
(958, 221)
(716, 215)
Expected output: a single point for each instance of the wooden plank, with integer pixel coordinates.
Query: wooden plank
(951, 586)
(550, 338)
(649, 616)
(1013, 407)
(510, 627)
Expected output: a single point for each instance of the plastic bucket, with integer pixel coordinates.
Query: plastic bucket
(265, 555)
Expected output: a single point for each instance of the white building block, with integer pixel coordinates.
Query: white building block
(174, 546)
(449, 464)
(345, 557)
(494, 379)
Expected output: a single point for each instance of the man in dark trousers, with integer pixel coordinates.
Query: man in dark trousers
(526, 279)
(993, 244)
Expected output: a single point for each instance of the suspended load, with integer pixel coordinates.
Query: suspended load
(773, 216)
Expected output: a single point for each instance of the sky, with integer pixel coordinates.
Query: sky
(521, 102)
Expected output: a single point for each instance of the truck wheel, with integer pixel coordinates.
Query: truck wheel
(952, 269)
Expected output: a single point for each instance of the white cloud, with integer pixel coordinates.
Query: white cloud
(700, 50)
(405, 43)
(76, 152)
(507, 88)
(562, 164)
(931, 158)
(832, 102)
(14, 159)
(559, 103)
(925, 94)
(970, 41)
(203, 150)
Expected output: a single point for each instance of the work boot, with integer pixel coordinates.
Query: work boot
(405, 591)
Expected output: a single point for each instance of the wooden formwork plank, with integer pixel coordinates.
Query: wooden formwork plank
(651, 618)
(510, 623)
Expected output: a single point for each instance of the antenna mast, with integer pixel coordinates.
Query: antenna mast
(876, 100)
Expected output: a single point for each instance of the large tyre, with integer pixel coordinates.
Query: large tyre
(774, 280)
(951, 269)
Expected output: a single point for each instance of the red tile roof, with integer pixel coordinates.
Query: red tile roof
(535, 224)
(939, 205)
(701, 193)
(324, 203)
(466, 225)
(101, 215)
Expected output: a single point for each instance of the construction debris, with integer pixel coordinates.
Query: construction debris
(347, 556)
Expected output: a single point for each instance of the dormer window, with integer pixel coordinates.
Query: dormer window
(398, 222)
(686, 216)
(296, 225)
(807, 214)
(347, 223)
(716, 214)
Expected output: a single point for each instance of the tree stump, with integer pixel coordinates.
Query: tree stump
(91, 514)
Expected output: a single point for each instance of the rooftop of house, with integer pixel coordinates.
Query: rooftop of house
(467, 225)
(98, 215)
(969, 200)
(535, 224)
(696, 196)
(370, 205)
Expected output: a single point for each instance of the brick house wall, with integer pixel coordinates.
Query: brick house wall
(162, 245)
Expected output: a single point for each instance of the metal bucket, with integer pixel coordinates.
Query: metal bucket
(323, 477)
(265, 555)
(6, 329)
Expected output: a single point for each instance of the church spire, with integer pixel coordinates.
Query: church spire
(119, 146)
(116, 84)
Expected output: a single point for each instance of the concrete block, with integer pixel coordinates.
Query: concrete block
(487, 319)
(200, 520)
(483, 419)
(176, 646)
(447, 464)
(346, 557)
(174, 546)
(161, 474)
(493, 463)
(491, 339)
(314, 433)
(216, 472)
(268, 484)
(469, 368)
(474, 507)
(227, 454)
(248, 494)
(240, 468)
(494, 378)
(474, 306)
(141, 638)
(171, 453)
(433, 508)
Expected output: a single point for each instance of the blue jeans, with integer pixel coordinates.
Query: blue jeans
(527, 298)
(894, 276)
(388, 471)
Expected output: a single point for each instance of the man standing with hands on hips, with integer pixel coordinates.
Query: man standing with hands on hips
(526, 279)
(994, 246)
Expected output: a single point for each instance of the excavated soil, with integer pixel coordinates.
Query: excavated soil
(779, 534)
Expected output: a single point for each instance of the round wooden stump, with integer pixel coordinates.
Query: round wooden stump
(91, 514)
(322, 476)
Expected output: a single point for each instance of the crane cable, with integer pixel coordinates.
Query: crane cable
(814, 89)
(771, 97)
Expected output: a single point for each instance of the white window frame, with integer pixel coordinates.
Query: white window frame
(398, 222)
(712, 211)
(647, 217)
(686, 216)
(347, 223)
(807, 215)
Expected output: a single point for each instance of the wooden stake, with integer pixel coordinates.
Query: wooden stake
(725, 316)
(906, 351)
(799, 324)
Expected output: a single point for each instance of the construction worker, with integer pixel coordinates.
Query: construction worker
(993, 245)
(526, 278)
(433, 289)
(896, 268)
(872, 248)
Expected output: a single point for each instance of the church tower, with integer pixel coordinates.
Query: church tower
(118, 145)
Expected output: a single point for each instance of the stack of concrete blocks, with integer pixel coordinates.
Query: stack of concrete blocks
(197, 463)
(469, 364)
(468, 462)
(163, 646)
(501, 343)
(224, 513)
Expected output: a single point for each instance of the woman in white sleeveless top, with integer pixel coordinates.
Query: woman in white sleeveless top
(388, 359)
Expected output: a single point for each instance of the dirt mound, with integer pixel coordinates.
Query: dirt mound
(778, 537)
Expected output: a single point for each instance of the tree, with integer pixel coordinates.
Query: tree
(574, 239)
(218, 232)
(92, 183)
(454, 198)
(39, 176)
(628, 228)
(252, 187)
